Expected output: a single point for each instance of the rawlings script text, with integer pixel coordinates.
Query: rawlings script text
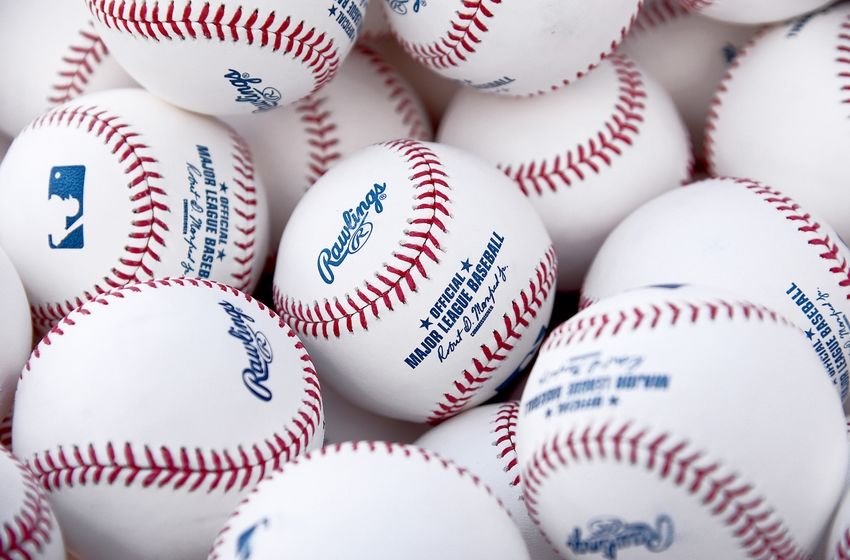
(355, 232)
(257, 347)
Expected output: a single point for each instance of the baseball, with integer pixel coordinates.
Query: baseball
(5, 142)
(435, 91)
(368, 102)
(838, 541)
(193, 392)
(51, 55)
(418, 278)
(509, 47)
(754, 11)
(29, 529)
(400, 502)
(690, 72)
(228, 58)
(15, 331)
(585, 156)
(483, 440)
(745, 237)
(119, 187)
(796, 74)
(636, 432)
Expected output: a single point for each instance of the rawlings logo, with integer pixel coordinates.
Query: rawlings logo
(257, 347)
(610, 535)
(400, 6)
(355, 232)
(262, 99)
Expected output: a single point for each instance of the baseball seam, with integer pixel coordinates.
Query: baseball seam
(590, 157)
(6, 431)
(78, 66)
(165, 21)
(754, 523)
(406, 105)
(505, 431)
(246, 217)
(524, 308)
(809, 227)
(408, 451)
(717, 100)
(843, 59)
(175, 468)
(667, 314)
(391, 285)
(147, 235)
(660, 12)
(29, 530)
(322, 140)
(467, 31)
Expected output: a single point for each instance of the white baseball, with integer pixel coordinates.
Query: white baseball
(119, 187)
(418, 278)
(514, 48)
(482, 440)
(380, 501)
(367, 102)
(687, 54)
(660, 421)
(434, 90)
(345, 421)
(797, 76)
(754, 11)
(28, 528)
(228, 57)
(15, 331)
(167, 402)
(745, 237)
(51, 55)
(585, 156)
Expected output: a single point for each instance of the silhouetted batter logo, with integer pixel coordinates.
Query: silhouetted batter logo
(65, 207)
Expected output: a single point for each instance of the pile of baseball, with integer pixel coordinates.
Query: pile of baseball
(424, 279)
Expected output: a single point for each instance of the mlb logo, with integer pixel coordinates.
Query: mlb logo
(65, 203)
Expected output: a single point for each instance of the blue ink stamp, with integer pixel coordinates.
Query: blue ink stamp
(65, 202)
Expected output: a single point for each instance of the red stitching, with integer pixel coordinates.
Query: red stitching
(831, 251)
(659, 13)
(390, 285)
(843, 57)
(524, 307)
(505, 431)
(244, 218)
(322, 139)
(399, 92)
(464, 35)
(6, 431)
(146, 239)
(466, 31)
(403, 450)
(79, 63)
(754, 523)
(655, 315)
(322, 134)
(591, 156)
(226, 23)
(29, 530)
(183, 468)
(717, 101)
